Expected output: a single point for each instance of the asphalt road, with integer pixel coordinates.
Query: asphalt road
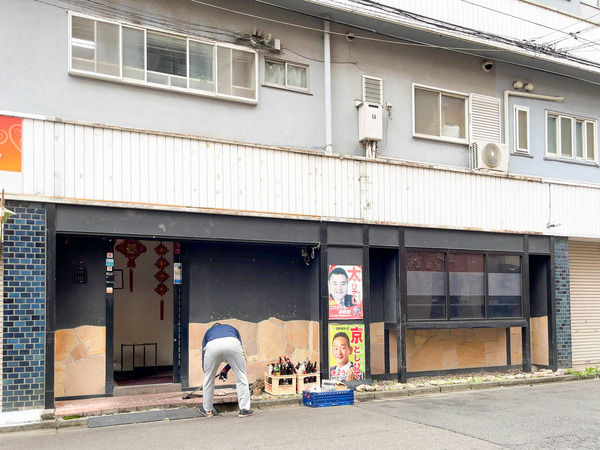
(553, 415)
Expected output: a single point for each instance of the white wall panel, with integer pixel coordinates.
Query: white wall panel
(86, 163)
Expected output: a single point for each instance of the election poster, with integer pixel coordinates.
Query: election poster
(345, 292)
(347, 352)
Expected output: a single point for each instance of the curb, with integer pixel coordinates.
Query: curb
(48, 422)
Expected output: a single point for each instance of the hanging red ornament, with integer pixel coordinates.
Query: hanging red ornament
(131, 249)
(161, 276)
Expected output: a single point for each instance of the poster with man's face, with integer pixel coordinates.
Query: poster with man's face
(346, 352)
(345, 292)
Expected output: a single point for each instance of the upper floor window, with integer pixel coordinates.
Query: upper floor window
(521, 129)
(571, 137)
(139, 56)
(286, 75)
(439, 114)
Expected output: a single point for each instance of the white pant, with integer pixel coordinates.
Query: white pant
(229, 350)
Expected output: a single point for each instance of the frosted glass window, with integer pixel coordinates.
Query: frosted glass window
(139, 56)
(466, 286)
(438, 114)
(133, 53)
(202, 66)
(522, 129)
(590, 141)
(566, 137)
(95, 46)
(275, 73)
(504, 286)
(551, 138)
(426, 286)
(297, 76)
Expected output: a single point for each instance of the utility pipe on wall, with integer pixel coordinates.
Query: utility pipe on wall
(327, 71)
(526, 95)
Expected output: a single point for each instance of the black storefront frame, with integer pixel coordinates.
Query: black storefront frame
(100, 222)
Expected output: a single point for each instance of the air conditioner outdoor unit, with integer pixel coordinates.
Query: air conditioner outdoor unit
(488, 156)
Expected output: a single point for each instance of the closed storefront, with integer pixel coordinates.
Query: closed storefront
(584, 262)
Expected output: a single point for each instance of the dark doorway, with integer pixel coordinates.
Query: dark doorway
(540, 304)
(383, 273)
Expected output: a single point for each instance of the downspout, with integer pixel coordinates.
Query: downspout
(327, 72)
(526, 95)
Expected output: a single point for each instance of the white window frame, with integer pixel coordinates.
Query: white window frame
(286, 85)
(574, 119)
(144, 82)
(461, 95)
(517, 130)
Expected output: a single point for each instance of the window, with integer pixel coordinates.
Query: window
(145, 57)
(286, 75)
(521, 120)
(462, 286)
(440, 114)
(571, 137)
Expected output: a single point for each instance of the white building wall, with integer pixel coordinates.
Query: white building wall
(84, 163)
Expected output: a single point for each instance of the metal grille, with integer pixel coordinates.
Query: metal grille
(143, 416)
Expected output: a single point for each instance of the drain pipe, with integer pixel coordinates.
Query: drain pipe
(526, 95)
(327, 71)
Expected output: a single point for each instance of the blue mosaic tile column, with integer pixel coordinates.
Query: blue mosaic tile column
(563, 302)
(24, 308)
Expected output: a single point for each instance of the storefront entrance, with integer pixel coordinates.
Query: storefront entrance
(145, 345)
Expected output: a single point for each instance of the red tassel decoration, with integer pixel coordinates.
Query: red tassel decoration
(162, 309)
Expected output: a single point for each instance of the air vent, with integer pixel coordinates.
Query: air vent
(372, 90)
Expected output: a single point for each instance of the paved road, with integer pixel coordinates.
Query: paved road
(553, 415)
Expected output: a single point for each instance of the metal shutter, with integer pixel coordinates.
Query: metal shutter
(584, 268)
(485, 118)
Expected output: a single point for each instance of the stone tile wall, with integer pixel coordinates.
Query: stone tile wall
(80, 361)
(263, 342)
(23, 365)
(563, 302)
(428, 350)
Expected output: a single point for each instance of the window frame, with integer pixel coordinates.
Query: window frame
(286, 84)
(447, 320)
(145, 83)
(560, 155)
(455, 94)
(517, 130)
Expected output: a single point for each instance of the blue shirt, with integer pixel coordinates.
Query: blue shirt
(218, 332)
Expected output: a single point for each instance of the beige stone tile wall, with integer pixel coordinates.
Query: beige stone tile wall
(455, 349)
(263, 342)
(80, 361)
(539, 341)
(516, 344)
(377, 333)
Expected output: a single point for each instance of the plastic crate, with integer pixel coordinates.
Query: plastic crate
(328, 398)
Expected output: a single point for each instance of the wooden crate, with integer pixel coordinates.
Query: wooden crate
(314, 379)
(280, 384)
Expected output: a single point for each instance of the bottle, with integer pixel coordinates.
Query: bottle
(277, 369)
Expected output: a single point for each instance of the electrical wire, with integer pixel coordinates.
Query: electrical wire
(161, 20)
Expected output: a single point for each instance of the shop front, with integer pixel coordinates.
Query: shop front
(136, 290)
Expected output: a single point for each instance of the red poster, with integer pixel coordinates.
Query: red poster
(345, 292)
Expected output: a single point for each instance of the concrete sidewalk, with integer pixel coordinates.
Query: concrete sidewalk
(75, 413)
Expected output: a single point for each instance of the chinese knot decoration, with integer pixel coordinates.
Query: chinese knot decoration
(131, 249)
(161, 276)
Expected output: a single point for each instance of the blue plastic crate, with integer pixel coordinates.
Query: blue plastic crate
(328, 398)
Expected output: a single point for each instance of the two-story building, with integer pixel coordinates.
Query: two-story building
(171, 164)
